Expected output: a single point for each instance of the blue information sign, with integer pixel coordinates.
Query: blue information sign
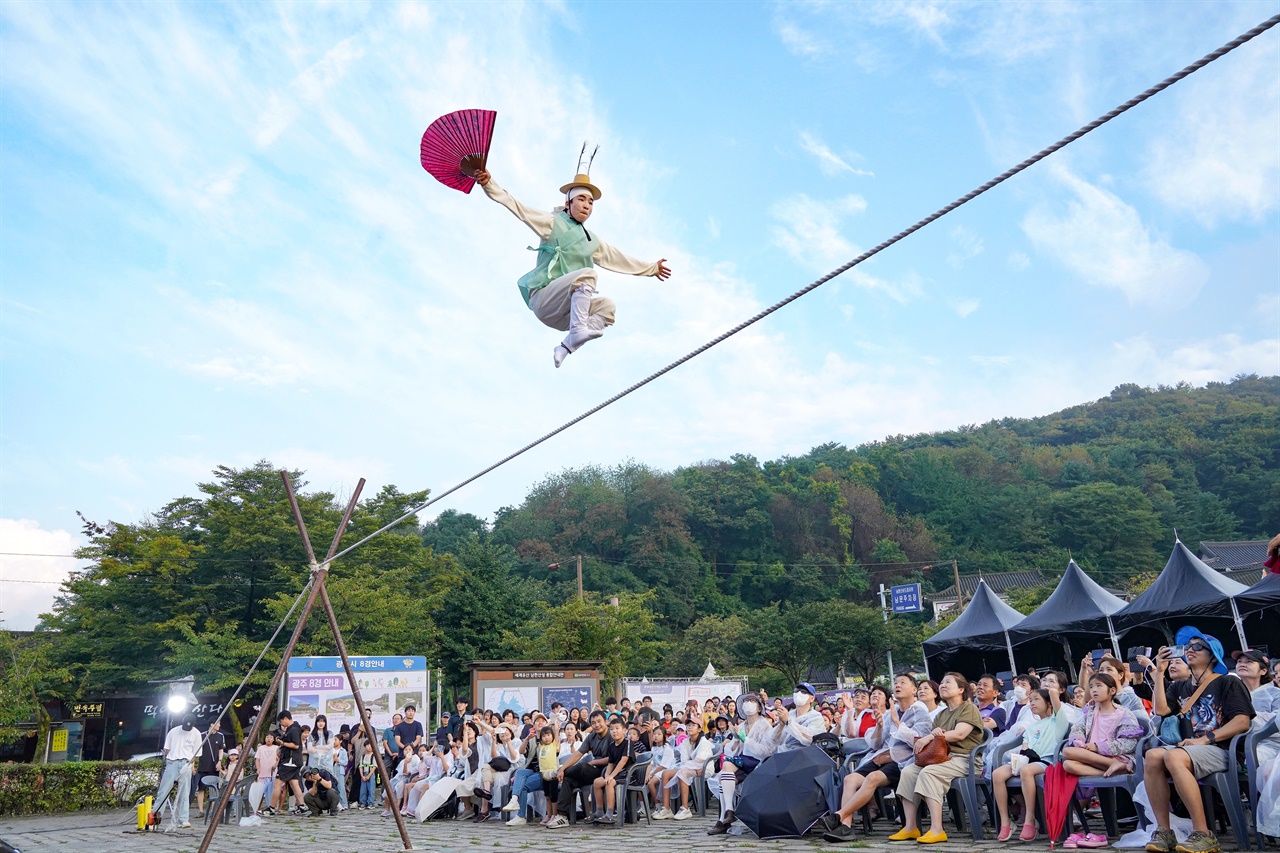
(906, 598)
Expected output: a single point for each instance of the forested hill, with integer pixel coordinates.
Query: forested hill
(699, 557)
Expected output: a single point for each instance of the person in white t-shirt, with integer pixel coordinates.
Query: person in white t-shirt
(181, 746)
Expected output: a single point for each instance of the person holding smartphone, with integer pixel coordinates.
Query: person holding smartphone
(1213, 709)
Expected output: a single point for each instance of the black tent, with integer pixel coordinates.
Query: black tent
(1079, 607)
(1263, 595)
(1187, 588)
(983, 626)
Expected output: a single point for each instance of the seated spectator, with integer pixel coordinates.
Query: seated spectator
(500, 752)
(1126, 696)
(987, 692)
(662, 757)
(540, 775)
(928, 693)
(731, 711)
(621, 753)
(960, 725)
(1214, 709)
(752, 741)
(1055, 680)
(1048, 728)
(576, 718)
(592, 759)
(796, 728)
(891, 743)
(1252, 668)
(321, 794)
(858, 720)
(693, 753)
(1024, 686)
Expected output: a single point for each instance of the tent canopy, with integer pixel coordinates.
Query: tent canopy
(1186, 587)
(1079, 604)
(982, 625)
(1262, 595)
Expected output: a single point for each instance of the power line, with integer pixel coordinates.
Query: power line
(937, 214)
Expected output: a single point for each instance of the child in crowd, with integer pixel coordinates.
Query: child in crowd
(1039, 740)
(340, 760)
(694, 751)
(621, 753)
(265, 759)
(662, 758)
(368, 768)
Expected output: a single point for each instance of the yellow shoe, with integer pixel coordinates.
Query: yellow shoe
(905, 835)
(931, 837)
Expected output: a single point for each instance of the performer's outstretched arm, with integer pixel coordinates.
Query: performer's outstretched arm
(539, 221)
(612, 259)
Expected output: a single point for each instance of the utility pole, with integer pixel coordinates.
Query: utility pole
(884, 611)
(579, 577)
(955, 571)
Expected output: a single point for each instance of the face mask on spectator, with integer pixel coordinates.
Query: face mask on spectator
(1019, 693)
(801, 698)
(750, 708)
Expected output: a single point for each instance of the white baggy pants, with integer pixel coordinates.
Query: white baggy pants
(570, 304)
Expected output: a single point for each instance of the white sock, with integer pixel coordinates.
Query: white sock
(581, 325)
(560, 354)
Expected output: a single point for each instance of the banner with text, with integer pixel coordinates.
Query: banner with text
(319, 686)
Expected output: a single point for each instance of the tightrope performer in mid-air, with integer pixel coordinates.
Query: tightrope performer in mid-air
(561, 289)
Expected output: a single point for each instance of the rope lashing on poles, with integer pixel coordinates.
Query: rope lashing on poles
(937, 214)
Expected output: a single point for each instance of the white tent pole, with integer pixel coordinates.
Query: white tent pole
(1008, 644)
(1115, 641)
(1235, 611)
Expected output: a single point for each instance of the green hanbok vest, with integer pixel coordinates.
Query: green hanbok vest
(568, 249)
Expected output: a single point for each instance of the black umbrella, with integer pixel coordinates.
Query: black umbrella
(787, 793)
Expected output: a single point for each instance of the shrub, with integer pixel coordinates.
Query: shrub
(75, 785)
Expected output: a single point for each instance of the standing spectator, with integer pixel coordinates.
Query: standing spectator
(390, 751)
(341, 759)
(215, 746)
(591, 763)
(960, 725)
(458, 719)
(368, 770)
(620, 752)
(444, 734)
(987, 691)
(408, 733)
(320, 745)
(181, 745)
(264, 761)
(1216, 709)
(322, 794)
(290, 766)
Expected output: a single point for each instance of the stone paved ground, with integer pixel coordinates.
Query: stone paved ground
(365, 832)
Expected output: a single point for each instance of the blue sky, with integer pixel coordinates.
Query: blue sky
(217, 245)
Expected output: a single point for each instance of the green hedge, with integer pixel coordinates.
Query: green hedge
(75, 785)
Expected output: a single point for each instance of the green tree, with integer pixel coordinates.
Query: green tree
(28, 679)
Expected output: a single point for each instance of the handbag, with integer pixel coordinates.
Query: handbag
(500, 763)
(1176, 728)
(935, 752)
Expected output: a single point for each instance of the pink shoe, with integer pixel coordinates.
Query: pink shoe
(1005, 833)
(1028, 833)
(1073, 841)
(1093, 841)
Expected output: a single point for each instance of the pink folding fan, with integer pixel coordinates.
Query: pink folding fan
(456, 146)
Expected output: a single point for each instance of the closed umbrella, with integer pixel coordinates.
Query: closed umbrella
(1059, 789)
(788, 793)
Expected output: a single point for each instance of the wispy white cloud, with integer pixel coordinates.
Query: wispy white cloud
(799, 41)
(1104, 241)
(28, 584)
(1215, 359)
(965, 307)
(809, 230)
(828, 161)
(1217, 157)
(967, 245)
(991, 361)
(1017, 261)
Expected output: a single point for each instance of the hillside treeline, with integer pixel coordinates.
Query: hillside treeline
(700, 558)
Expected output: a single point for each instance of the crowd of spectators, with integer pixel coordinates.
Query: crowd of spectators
(1174, 711)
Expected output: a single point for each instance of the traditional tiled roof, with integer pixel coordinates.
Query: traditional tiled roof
(999, 582)
(1234, 556)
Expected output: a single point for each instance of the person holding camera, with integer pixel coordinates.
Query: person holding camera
(1210, 710)
(321, 791)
